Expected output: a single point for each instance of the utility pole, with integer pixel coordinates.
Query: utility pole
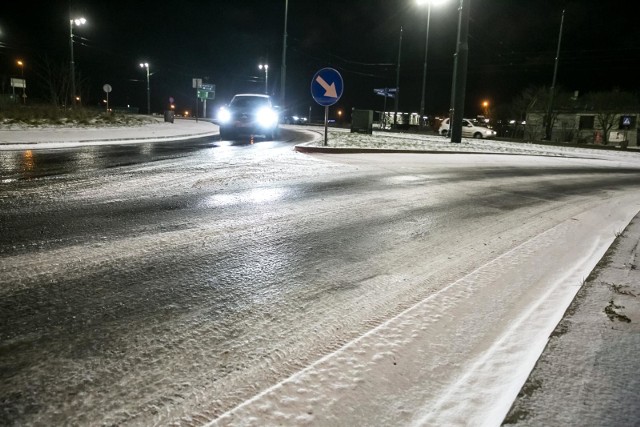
(548, 122)
(460, 72)
(283, 67)
(395, 114)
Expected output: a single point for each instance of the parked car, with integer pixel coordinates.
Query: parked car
(294, 120)
(469, 129)
(248, 114)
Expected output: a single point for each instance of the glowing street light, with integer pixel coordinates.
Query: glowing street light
(146, 65)
(426, 48)
(485, 108)
(265, 67)
(77, 22)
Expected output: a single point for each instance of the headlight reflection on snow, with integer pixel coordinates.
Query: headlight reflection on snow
(406, 179)
(255, 196)
(265, 145)
(260, 195)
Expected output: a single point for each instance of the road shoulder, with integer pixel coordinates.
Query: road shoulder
(589, 372)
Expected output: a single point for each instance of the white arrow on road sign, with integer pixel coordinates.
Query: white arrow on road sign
(327, 86)
(330, 89)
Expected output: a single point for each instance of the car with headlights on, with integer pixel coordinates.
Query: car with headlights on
(469, 129)
(294, 120)
(248, 114)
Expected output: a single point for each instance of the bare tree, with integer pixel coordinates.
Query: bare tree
(608, 107)
(523, 104)
(55, 78)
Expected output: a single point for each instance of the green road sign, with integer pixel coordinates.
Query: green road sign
(205, 94)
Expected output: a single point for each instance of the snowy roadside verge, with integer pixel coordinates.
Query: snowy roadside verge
(395, 373)
(342, 141)
(69, 137)
(590, 370)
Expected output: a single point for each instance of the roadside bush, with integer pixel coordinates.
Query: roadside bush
(47, 115)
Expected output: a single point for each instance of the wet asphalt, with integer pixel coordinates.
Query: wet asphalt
(139, 281)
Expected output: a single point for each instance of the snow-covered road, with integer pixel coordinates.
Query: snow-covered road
(258, 286)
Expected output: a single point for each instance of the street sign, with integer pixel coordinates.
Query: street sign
(327, 87)
(197, 83)
(107, 88)
(388, 92)
(208, 87)
(205, 94)
(18, 83)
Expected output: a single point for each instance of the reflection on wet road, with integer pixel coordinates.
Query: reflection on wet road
(185, 281)
(28, 164)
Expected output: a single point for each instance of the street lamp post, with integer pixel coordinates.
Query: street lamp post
(283, 67)
(265, 67)
(426, 49)
(146, 66)
(78, 22)
(460, 72)
(24, 84)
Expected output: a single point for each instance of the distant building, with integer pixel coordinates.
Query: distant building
(582, 127)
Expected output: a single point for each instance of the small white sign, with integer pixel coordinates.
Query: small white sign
(18, 83)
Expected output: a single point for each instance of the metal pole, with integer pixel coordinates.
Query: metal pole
(283, 68)
(460, 72)
(384, 108)
(24, 84)
(424, 71)
(326, 120)
(395, 114)
(549, 127)
(72, 65)
(266, 80)
(148, 93)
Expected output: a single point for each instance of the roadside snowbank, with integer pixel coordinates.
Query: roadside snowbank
(339, 138)
(61, 137)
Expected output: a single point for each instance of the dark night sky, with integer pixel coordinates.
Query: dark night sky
(512, 46)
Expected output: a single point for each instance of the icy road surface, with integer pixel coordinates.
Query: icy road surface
(258, 286)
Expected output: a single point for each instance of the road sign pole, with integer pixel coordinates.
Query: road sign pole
(326, 120)
(326, 90)
(107, 88)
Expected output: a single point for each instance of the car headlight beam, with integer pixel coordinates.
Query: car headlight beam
(266, 117)
(224, 115)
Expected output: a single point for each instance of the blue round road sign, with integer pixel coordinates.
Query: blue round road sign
(327, 87)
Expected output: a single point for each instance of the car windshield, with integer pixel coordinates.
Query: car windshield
(249, 102)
